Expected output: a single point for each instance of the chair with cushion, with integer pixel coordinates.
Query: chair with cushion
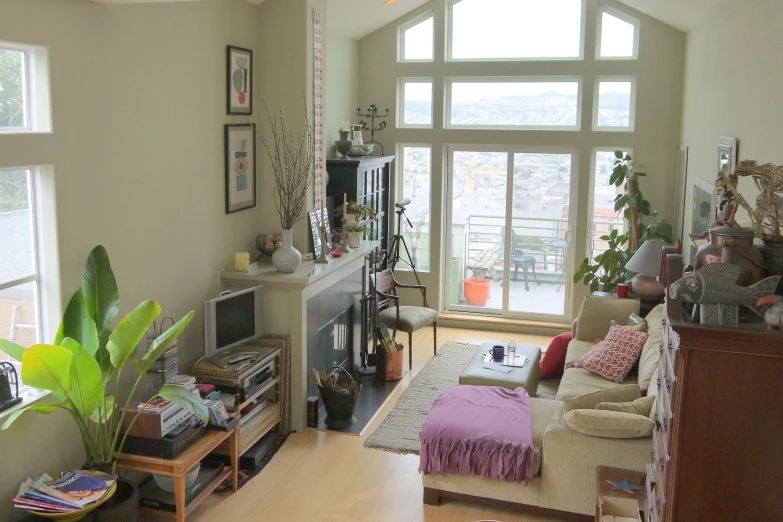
(519, 258)
(405, 318)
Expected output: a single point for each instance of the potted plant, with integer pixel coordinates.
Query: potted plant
(354, 230)
(82, 368)
(356, 217)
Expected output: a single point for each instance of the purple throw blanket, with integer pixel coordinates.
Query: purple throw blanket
(479, 430)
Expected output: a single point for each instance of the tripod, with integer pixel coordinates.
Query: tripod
(394, 253)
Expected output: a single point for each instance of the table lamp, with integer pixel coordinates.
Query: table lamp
(646, 262)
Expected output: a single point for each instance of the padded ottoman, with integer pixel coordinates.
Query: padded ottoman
(526, 377)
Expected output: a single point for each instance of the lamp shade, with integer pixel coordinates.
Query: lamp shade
(647, 260)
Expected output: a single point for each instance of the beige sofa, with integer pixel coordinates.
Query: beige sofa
(566, 459)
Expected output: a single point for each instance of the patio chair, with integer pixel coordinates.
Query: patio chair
(518, 258)
(405, 318)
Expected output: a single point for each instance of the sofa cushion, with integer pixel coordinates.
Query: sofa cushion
(640, 406)
(597, 313)
(617, 354)
(578, 381)
(612, 424)
(545, 413)
(576, 349)
(651, 352)
(553, 360)
(589, 401)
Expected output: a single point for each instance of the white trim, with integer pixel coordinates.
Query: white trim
(28, 99)
(401, 38)
(599, 33)
(450, 32)
(450, 81)
(399, 191)
(401, 82)
(632, 112)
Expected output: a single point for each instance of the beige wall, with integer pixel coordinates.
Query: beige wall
(658, 70)
(342, 86)
(732, 88)
(138, 97)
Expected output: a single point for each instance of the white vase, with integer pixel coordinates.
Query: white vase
(286, 258)
(354, 239)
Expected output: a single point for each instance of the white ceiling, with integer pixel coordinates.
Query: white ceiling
(682, 14)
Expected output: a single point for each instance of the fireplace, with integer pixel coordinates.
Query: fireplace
(335, 342)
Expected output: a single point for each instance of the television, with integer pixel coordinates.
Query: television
(230, 320)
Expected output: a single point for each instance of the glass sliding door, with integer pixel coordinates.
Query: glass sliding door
(509, 235)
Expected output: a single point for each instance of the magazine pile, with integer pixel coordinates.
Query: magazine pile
(73, 491)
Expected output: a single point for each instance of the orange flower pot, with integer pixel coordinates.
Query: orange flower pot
(477, 291)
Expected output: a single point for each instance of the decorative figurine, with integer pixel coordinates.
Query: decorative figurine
(768, 215)
(727, 205)
(714, 288)
(774, 315)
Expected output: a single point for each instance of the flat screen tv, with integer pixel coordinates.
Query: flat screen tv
(230, 320)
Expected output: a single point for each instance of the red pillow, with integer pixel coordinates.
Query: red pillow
(553, 361)
(617, 354)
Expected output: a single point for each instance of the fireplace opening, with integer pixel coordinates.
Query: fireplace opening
(335, 342)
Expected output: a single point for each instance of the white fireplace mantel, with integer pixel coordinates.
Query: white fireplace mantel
(285, 309)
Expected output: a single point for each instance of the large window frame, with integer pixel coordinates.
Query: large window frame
(599, 33)
(401, 82)
(449, 81)
(28, 92)
(596, 98)
(399, 193)
(450, 33)
(401, 38)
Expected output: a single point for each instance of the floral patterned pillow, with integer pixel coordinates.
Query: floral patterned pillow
(617, 354)
(588, 353)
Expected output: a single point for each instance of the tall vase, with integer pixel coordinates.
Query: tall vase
(286, 258)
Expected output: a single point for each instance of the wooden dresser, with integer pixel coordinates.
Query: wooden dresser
(718, 438)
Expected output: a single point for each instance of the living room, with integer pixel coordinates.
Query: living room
(123, 143)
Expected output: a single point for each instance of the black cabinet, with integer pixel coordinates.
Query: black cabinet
(365, 179)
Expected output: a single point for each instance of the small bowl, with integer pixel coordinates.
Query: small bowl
(337, 253)
(362, 150)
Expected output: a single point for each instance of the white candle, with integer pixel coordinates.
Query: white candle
(241, 260)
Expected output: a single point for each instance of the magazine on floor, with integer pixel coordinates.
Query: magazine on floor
(70, 492)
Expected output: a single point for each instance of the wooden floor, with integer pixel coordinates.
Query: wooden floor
(320, 476)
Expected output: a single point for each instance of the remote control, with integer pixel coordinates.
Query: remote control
(237, 358)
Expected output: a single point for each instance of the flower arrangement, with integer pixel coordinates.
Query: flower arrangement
(345, 126)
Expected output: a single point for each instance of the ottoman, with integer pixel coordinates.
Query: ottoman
(526, 377)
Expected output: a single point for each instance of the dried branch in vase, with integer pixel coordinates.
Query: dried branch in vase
(293, 163)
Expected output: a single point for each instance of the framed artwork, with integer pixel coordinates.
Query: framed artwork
(703, 210)
(239, 87)
(315, 229)
(240, 167)
(727, 153)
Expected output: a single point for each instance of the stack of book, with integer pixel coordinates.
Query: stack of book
(73, 491)
(163, 370)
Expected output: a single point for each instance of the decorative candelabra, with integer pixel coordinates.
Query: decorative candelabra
(372, 115)
(322, 259)
(343, 247)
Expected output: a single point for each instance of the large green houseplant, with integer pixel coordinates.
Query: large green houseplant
(607, 269)
(88, 354)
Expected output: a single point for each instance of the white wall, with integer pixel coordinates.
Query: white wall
(658, 70)
(733, 84)
(342, 85)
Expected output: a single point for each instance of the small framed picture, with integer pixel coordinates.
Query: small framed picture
(239, 87)
(240, 167)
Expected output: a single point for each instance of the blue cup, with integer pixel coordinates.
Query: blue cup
(498, 351)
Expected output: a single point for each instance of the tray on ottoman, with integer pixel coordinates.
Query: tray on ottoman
(526, 376)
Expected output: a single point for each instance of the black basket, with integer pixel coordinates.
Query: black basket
(339, 407)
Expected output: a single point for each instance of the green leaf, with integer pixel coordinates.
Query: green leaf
(618, 154)
(102, 355)
(129, 333)
(161, 344)
(48, 367)
(87, 387)
(78, 325)
(40, 408)
(108, 403)
(187, 399)
(100, 288)
(13, 350)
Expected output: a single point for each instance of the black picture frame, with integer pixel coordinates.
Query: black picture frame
(234, 171)
(234, 85)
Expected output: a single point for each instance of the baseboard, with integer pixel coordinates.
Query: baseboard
(432, 497)
(503, 324)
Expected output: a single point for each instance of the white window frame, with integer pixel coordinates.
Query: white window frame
(514, 79)
(399, 188)
(35, 220)
(599, 33)
(450, 36)
(596, 95)
(401, 38)
(401, 82)
(28, 77)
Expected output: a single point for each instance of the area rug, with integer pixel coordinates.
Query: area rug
(399, 431)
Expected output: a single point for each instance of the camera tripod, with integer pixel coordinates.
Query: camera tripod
(394, 252)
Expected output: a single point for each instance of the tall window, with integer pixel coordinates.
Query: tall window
(19, 280)
(515, 29)
(416, 40)
(615, 104)
(618, 35)
(416, 103)
(14, 89)
(416, 186)
(604, 217)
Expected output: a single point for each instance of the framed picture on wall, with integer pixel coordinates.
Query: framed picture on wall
(239, 87)
(240, 167)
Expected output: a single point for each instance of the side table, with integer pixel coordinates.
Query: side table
(606, 490)
(178, 468)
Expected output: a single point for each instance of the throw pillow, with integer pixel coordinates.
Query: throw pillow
(637, 322)
(591, 351)
(553, 361)
(617, 354)
(640, 406)
(589, 401)
(612, 424)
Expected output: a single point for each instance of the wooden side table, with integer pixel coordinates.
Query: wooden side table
(604, 489)
(178, 468)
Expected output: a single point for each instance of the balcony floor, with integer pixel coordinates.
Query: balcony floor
(545, 298)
